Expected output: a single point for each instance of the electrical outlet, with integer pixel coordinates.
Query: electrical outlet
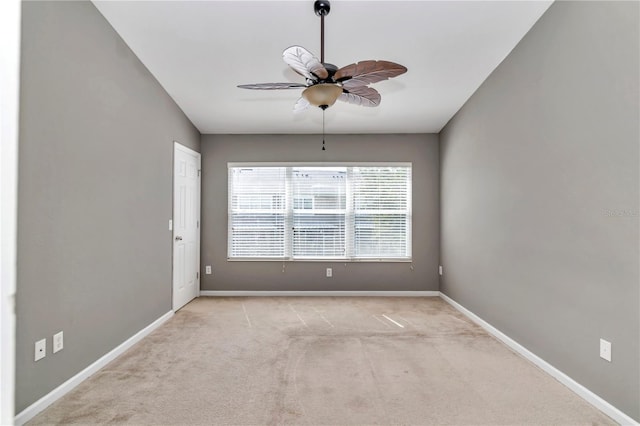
(329, 272)
(41, 349)
(58, 342)
(207, 269)
(440, 269)
(605, 350)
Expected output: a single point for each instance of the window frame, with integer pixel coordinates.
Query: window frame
(350, 214)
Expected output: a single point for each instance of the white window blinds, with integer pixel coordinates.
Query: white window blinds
(319, 212)
(382, 212)
(310, 212)
(257, 212)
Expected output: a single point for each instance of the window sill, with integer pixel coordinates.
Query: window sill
(315, 260)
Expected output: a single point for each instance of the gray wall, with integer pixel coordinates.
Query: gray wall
(540, 196)
(95, 193)
(422, 150)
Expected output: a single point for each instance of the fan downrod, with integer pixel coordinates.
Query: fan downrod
(322, 7)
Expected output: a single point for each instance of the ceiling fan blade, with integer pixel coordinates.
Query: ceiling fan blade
(361, 95)
(271, 86)
(304, 63)
(366, 72)
(301, 105)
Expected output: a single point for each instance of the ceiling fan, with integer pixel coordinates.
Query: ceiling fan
(326, 83)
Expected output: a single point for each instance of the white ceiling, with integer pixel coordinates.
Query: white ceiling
(201, 50)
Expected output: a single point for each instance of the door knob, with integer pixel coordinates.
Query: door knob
(178, 238)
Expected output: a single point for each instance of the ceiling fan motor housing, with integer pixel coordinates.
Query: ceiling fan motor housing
(322, 7)
(331, 69)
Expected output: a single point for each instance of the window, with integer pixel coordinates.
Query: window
(331, 212)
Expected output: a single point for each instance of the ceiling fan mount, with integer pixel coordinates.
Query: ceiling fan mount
(325, 82)
(322, 7)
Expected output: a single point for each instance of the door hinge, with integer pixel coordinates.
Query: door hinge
(197, 275)
(199, 172)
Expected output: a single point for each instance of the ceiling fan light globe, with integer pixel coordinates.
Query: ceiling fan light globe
(324, 94)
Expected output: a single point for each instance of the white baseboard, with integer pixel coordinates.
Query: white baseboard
(576, 387)
(35, 408)
(221, 293)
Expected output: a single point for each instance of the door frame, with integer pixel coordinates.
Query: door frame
(10, 13)
(177, 146)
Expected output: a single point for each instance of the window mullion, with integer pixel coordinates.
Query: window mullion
(349, 218)
(409, 213)
(230, 207)
(288, 217)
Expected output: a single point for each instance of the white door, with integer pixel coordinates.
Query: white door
(186, 225)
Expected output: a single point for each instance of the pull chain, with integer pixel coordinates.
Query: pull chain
(323, 148)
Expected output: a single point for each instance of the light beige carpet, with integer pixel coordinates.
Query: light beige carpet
(321, 361)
